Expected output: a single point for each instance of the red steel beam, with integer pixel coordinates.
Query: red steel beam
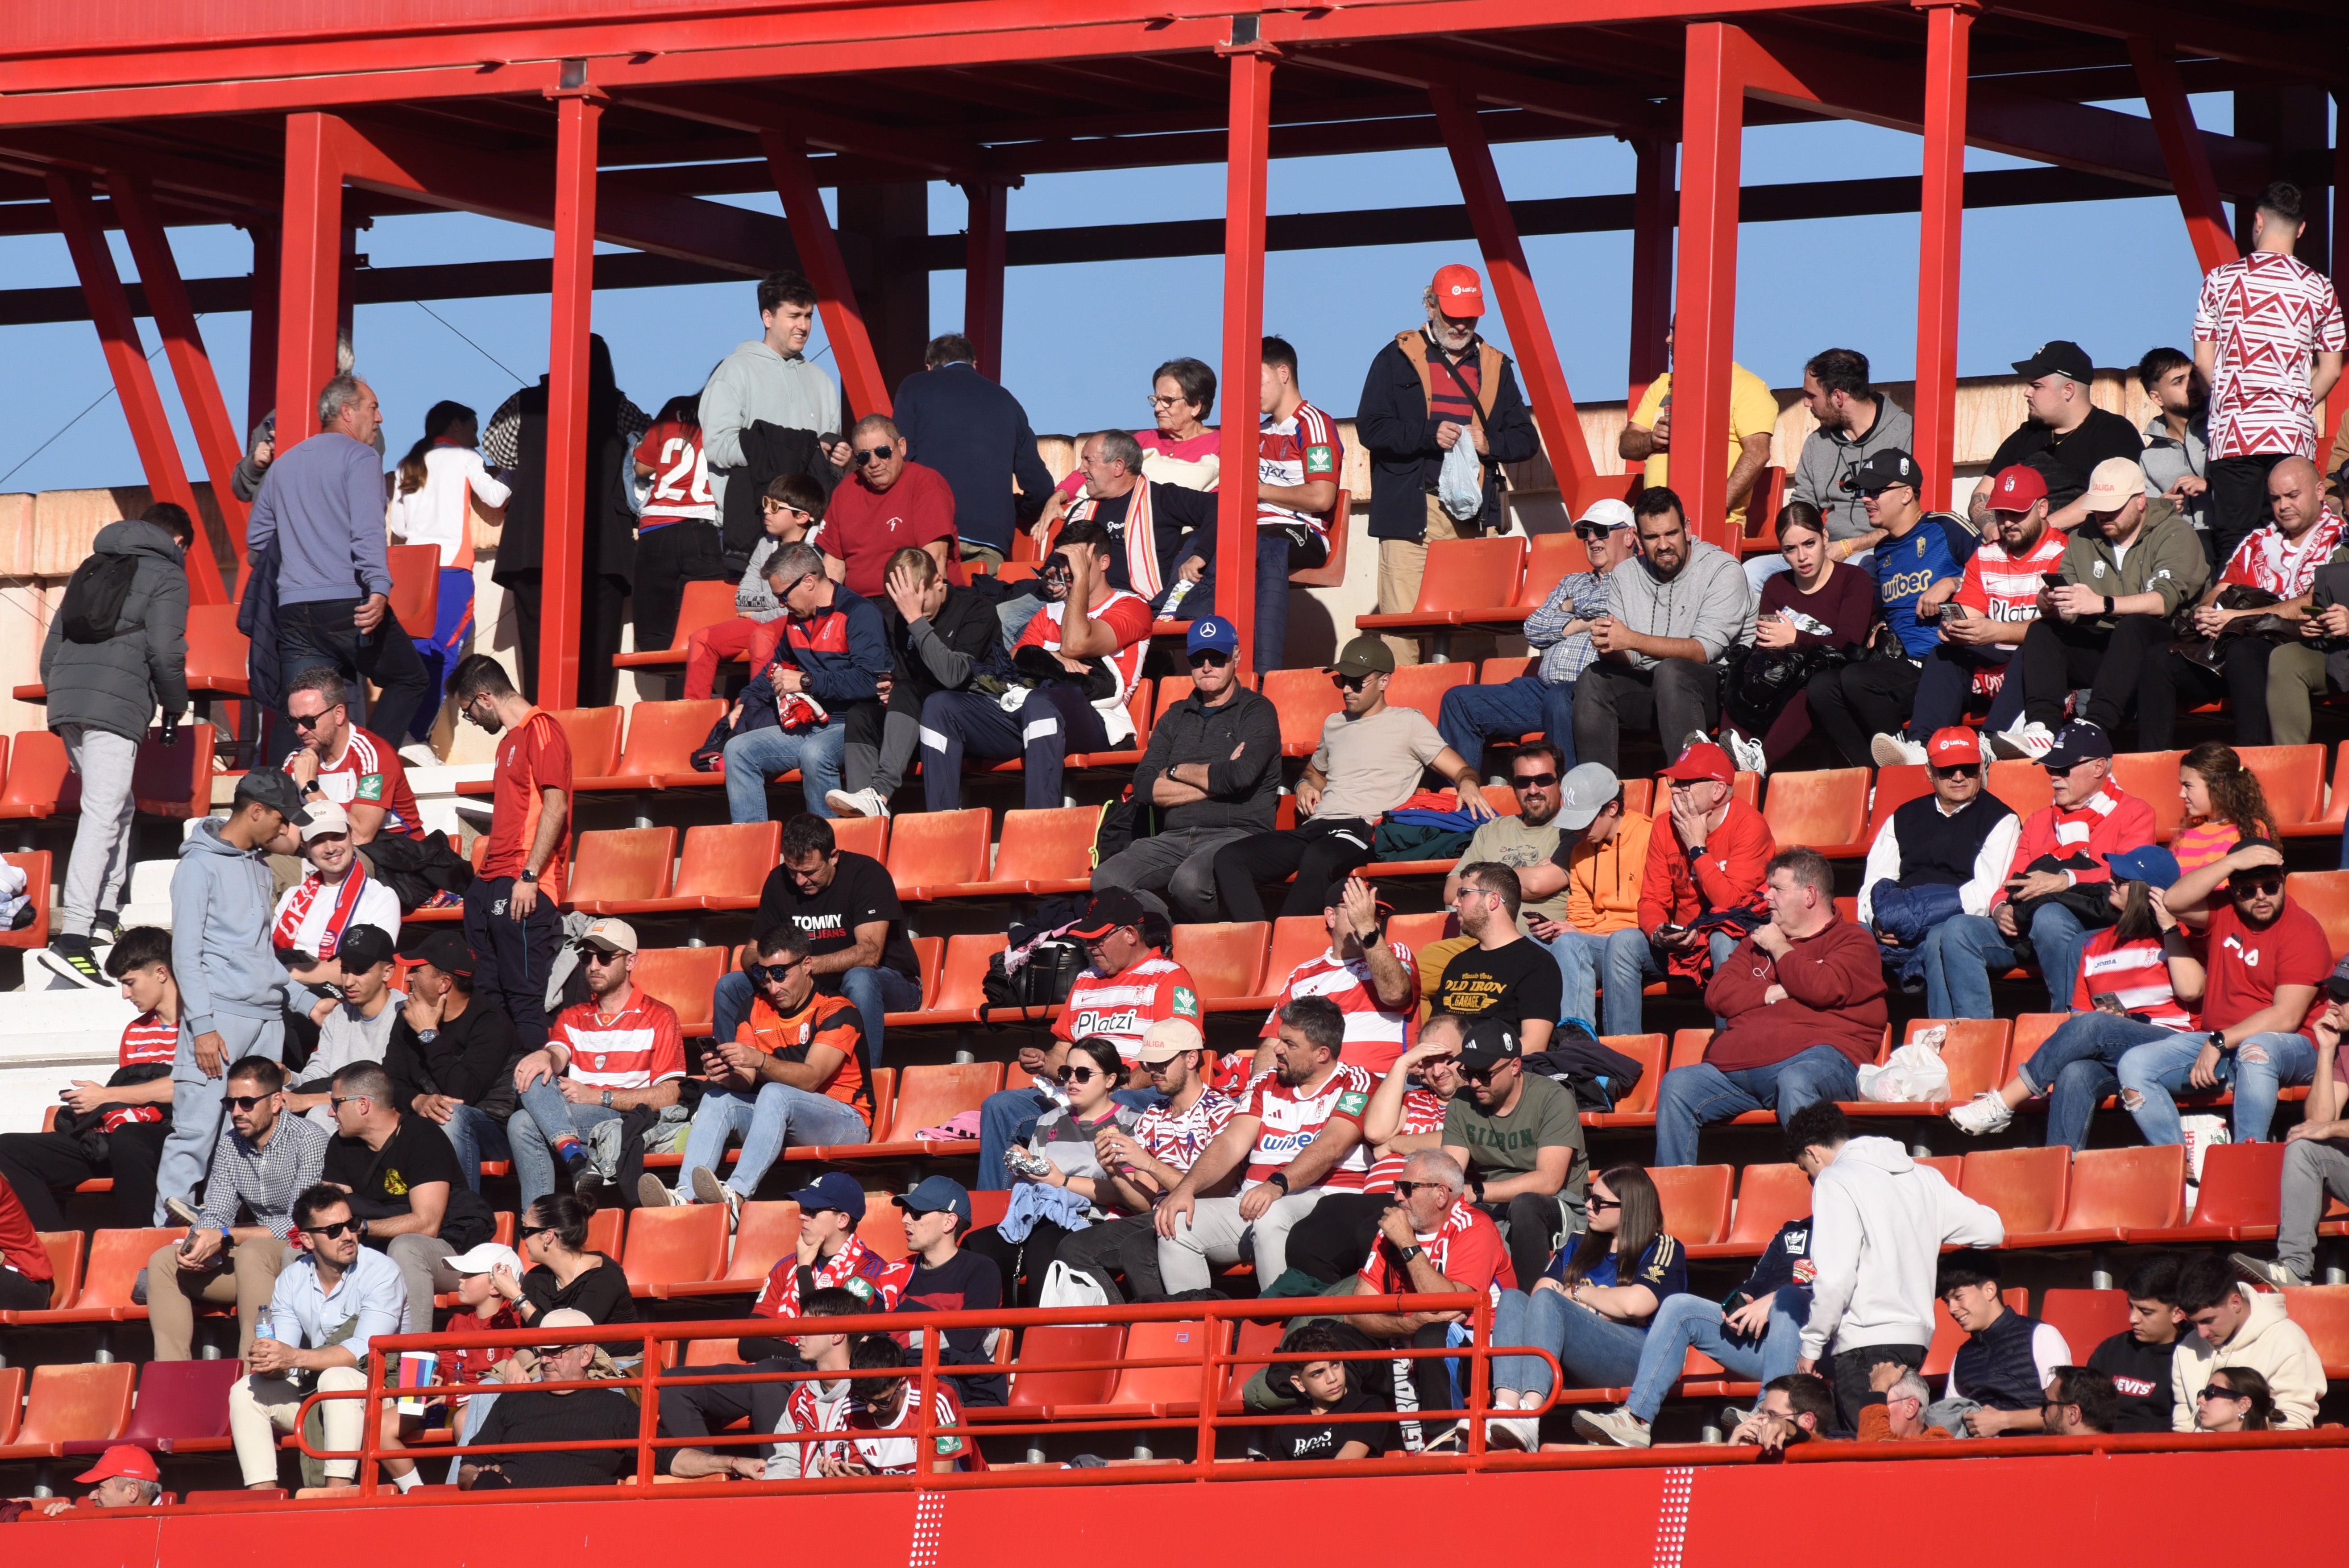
(261, 347)
(819, 248)
(1713, 124)
(134, 378)
(2336, 417)
(2183, 150)
(309, 275)
(1940, 225)
(183, 345)
(985, 257)
(1513, 288)
(578, 111)
(1654, 198)
(1245, 181)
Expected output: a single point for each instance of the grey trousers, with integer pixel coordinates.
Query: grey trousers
(1106, 1247)
(864, 765)
(1179, 864)
(101, 862)
(2295, 678)
(196, 1107)
(424, 1266)
(2310, 1170)
(1215, 1234)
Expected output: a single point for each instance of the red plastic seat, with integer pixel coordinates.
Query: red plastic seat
(604, 1231)
(1974, 1052)
(1502, 671)
(2116, 1195)
(35, 865)
(2325, 895)
(219, 656)
(866, 836)
(594, 737)
(2330, 820)
(1038, 852)
(1461, 575)
(1305, 700)
(67, 1251)
(2024, 786)
(174, 780)
(1258, 1338)
(37, 771)
(1297, 939)
(937, 850)
(930, 1096)
(684, 978)
(2031, 1032)
(1768, 1197)
(12, 1401)
(1156, 1390)
(70, 1403)
(1034, 1389)
(2086, 1318)
(704, 605)
(1948, 1336)
(114, 1259)
(1422, 687)
(961, 977)
(2322, 1312)
(1637, 1107)
(183, 1408)
(683, 1245)
(620, 866)
(764, 1234)
(929, 952)
(1895, 787)
(1695, 1200)
(1172, 689)
(1827, 810)
(724, 866)
(2152, 776)
(2239, 1201)
(1331, 573)
(2028, 1187)
(662, 739)
(1416, 929)
(1951, 1166)
(712, 1352)
(884, 1226)
(1225, 958)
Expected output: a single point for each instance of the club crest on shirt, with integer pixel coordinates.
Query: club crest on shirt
(395, 1185)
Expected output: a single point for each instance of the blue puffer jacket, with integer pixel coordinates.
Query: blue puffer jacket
(1909, 914)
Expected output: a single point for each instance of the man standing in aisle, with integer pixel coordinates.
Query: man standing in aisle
(770, 380)
(513, 923)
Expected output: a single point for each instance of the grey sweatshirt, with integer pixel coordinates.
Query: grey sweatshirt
(1828, 455)
(753, 600)
(322, 504)
(221, 953)
(755, 382)
(1710, 601)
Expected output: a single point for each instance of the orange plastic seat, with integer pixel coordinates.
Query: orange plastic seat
(1225, 958)
(884, 1226)
(2293, 778)
(2028, 1187)
(594, 737)
(2239, 1201)
(704, 605)
(1827, 810)
(931, 1095)
(662, 739)
(1422, 687)
(604, 1228)
(1637, 1107)
(1172, 689)
(764, 1234)
(961, 977)
(1331, 573)
(34, 865)
(937, 850)
(1297, 939)
(2322, 1312)
(415, 587)
(2115, 1194)
(114, 1259)
(1304, 699)
(1695, 1200)
(1973, 1049)
(683, 1245)
(1895, 787)
(67, 1251)
(1034, 1388)
(2024, 786)
(1951, 1166)
(1768, 1197)
(1038, 852)
(1502, 671)
(1689, 1048)
(37, 771)
(173, 780)
(866, 836)
(2330, 820)
(12, 1402)
(72, 1403)
(684, 978)
(930, 953)
(219, 655)
(2086, 1318)
(620, 866)
(1948, 1336)
(2031, 1032)
(1156, 1390)
(1415, 930)
(2152, 776)
(2325, 895)
(724, 866)
(712, 1352)
(1461, 575)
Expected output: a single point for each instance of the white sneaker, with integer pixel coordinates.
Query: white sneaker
(1986, 1113)
(416, 754)
(2265, 1271)
(1618, 1426)
(652, 1193)
(708, 1189)
(856, 802)
(1745, 752)
(2030, 741)
(1895, 750)
(1520, 1432)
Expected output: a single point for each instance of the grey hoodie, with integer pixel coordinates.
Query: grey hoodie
(1709, 600)
(116, 685)
(1878, 1223)
(221, 952)
(1828, 456)
(755, 382)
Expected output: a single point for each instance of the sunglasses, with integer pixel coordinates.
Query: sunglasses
(866, 455)
(1405, 1189)
(2258, 887)
(333, 1231)
(597, 956)
(336, 1101)
(1215, 657)
(1079, 1075)
(524, 1233)
(1482, 1075)
(1350, 683)
(1590, 532)
(247, 1101)
(2214, 1392)
(1534, 780)
(309, 721)
(772, 506)
(1959, 770)
(776, 972)
(1602, 1203)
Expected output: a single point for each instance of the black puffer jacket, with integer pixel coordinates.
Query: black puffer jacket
(116, 685)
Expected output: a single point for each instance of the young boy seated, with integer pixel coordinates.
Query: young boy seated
(882, 1424)
(2138, 1359)
(487, 1309)
(793, 509)
(1326, 1390)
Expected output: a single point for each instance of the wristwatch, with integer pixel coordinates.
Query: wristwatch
(1404, 1254)
(1282, 1178)
(607, 1099)
(2108, 604)
(528, 876)
(311, 788)
(2217, 1041)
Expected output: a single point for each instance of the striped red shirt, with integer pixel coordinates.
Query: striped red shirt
(1375, 1036)
(370, 771)
(2137, 973)
(890, 1449)
(1468, 1250)
(1299, 450)
(1422, 1112)
(1287, 1124)
(1123, 1006)
(641, 1045)
(145, 1040)
(1126, 615)
(2005, 587)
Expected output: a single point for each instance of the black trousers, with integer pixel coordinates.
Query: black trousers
(698, 1410)
(40, 1165)
(667, 558)
(1945, 688)
(2244, 683)
(321, 633)
(2057, 655)
(2238, 499)
(1674, 698)
(1332, 1242)
(1318, 852)
(1021, 1262)
(1127, 1246)
(602, 599)
(1854, 702)
(511, 958)
(1850, 1370)
(1530, 1221)
(18, 1293)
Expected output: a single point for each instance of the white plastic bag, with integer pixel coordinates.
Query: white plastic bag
(1460, 487)
(1065, 1286)
(2199, 1132)
(1915, 1074)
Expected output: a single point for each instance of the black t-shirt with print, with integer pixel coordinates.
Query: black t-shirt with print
(2065, 462)
(860, 893)
(2142, 1373)
(1326, 1440)
(1515, 982)
(416, 1153)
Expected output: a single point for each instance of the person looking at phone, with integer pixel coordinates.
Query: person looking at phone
(1943, 853)
(882, 1420)
(452, 1055)
(796, 1071)
(264, 1158)
(1063, 1157)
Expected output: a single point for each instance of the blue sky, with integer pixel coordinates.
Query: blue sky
(2118, 277)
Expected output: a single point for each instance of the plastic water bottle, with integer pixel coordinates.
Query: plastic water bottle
(264, 1326)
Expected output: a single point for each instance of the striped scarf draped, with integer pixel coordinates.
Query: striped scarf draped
(305, 897)
(1141, 539)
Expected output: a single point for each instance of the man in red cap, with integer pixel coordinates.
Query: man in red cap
(1428, 390)
(125, 1476)
(1711, 861)
(1940, 855)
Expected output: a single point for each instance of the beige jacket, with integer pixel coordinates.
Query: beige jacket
(2271, 1345)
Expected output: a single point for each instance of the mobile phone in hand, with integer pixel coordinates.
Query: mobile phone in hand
(2052, 579)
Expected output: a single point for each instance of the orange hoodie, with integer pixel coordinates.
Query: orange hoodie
(1602, 881)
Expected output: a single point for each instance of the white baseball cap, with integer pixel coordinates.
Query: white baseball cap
(1609, 514)
(326, 818)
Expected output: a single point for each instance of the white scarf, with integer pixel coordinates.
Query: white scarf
(1140, 539)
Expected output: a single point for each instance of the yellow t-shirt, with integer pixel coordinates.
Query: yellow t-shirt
(1752, 411)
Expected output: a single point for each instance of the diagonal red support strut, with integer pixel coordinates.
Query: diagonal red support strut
(819, 248)
(2185, 151)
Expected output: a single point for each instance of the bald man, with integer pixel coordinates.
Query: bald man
(888, 503)
(2299, 671)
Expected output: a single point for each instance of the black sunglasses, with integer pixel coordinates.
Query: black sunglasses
(1350, 683)
(778, 973)
(873, 454)
(247, 1101)
(1590, 531)
(524, 1233)
(2212, 1391)
(1602, 1203)
(310, 721)
(1079, 1075)
(1957, 770)
(333, 1231)
(336, 1101)
(1482, 1075)
(1405, 1189)
(1215, 657)
(1533, 780)
(2258, 887)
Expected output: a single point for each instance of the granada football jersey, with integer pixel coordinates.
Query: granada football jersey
(2006, 587)
(641, 1045)
(1127, 614)
(1122, 1006)
(535, 755)
(2137, 973)
(1467, 1250)
(680, 476)
(1296, 451)
(1375, 1036)
(1289, 1121)
(369, 771)
(145, 1040)
(891, 1449)
(2266, 314)
(855, 1267)
(1423, 1112)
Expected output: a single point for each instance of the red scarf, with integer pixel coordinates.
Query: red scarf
(298, 906)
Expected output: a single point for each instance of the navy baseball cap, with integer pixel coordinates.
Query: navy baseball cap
(833, 1190)
(2336, 985)
(2075, 743)
(933, 1195)
(2152, 865)
(1213, 633)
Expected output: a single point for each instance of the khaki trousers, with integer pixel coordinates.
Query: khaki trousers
(260, 1408)
(172, 1295)
(2295, 678)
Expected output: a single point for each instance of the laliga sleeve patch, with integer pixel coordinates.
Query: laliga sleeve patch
(1320, 460)
(371, 786)
(1352, 1102)
(1186, 1002)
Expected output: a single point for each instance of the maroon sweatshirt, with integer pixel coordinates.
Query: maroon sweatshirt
(1835, 997)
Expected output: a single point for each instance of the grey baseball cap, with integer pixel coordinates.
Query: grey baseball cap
(1588, 787)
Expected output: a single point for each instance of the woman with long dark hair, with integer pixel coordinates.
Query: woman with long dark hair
(2224, 805)
(1059, 1155)
(2236, 1399)
(1817, 603)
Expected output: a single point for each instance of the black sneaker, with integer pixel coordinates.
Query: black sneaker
(74, 952)
(586, 1182)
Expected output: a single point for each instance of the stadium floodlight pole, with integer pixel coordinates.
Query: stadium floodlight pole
(2185, 152)
(1250, 132)
(579, 111)
(1941, 210)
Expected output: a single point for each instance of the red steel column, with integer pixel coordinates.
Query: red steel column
(260, 346)
(1940, 222)
(126, 360)
(1654, 199)
(1713, 124)
(579, 111)
(2334, 415)
(819, 248)
(1249, 148)
(309, 277)
(2183, 150)
(983, 267)
(1513, 287)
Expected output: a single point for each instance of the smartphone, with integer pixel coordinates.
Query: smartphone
(2052, 579)
(2107, 1002)
(1671, 932)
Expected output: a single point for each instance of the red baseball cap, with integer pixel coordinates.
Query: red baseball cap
(2017, 488)
(1955, 744)
(1459, 292)
(1702, 759)
(122, 1459)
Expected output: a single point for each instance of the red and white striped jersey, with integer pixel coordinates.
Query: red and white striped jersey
(2005, 587)
(1288, 1123)
(890, 1449)
(1128, 616)
(1176, 1141)
(1422, 1111)
(370, 771)
(146, 1039)
(1296, 451)
(1123, 1006)
(2138, 975)
(641, 1045)
(1375, 1036)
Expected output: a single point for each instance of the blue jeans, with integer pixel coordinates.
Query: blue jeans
(1701, 1092)
(1960, 954)
(199, 1103)
(1269, 650)
(766, 1121)
(1631, 961)
(1581, 955)
(476, 1136)
(2257, 1068)
(544, 1119)
(1013, 614)
(1596, 1352)
(2075, 1065)
(1005, 1117)
(1691, 1320)
(758, 755)
(875, 994)
(1471, 714)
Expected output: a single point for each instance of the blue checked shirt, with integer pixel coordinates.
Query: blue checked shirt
(1579, 595)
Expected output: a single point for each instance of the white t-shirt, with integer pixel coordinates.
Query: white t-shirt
(438, 514)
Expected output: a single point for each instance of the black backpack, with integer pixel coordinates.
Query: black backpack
(95, 595)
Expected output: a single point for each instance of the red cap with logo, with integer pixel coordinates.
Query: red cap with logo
(1702, 760)
(1954, 745)
(2018, 488)
(1459, 292)
(122, 1459)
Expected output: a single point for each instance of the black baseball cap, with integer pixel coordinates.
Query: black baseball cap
(2057, 358)
(365, 946)
(276, 790)
(1882, 471)
(1489, 1043)
(448, 952)
(1106, 912)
